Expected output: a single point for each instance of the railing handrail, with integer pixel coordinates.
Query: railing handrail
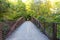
(15, 25)
(40, 25)
(36, 21)
(54, 26)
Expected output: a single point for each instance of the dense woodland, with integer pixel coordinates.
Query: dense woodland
(44, 11)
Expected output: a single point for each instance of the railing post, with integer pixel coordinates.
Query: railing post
(54, 31)
(0, 31)
(44, 28)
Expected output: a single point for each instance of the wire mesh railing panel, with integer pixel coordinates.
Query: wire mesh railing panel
(48, 30)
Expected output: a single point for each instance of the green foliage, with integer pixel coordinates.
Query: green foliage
(58, 31)
(39, 10)
(3, 7)
(13, 11)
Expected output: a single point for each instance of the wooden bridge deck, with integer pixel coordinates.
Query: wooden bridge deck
(27, 31)
(36, 22)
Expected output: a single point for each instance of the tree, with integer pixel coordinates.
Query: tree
(3, 7)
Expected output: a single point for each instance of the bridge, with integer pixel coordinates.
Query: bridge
(39, 25)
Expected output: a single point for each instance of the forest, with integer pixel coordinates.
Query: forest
(43, 10)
